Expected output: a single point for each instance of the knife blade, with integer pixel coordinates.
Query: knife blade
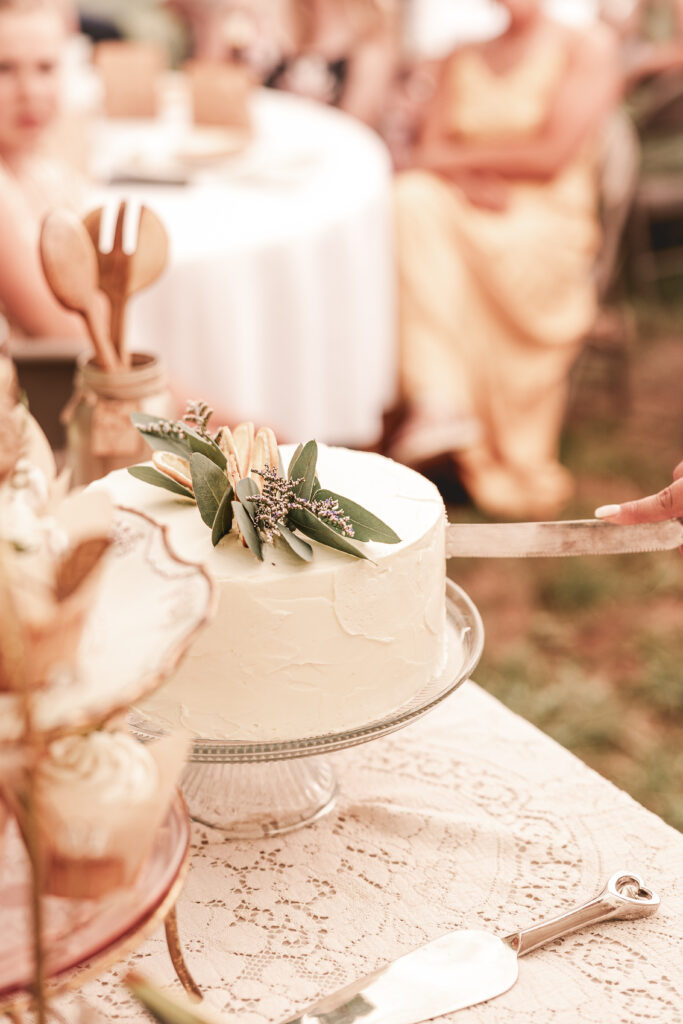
(467, 966)
(568, 537)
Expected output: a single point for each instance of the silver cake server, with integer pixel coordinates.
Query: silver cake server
(468, 966)
(568, 537)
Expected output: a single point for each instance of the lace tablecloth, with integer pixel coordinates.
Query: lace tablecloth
(470, 817)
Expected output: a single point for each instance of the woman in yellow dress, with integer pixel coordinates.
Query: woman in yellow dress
(497, 234)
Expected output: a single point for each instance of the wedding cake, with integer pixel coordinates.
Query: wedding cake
(303, 642)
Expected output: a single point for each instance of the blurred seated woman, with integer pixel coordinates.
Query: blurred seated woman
(31, 181)
(341, 52)
(497, 236)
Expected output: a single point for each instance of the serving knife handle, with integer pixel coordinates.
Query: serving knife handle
(625, 895)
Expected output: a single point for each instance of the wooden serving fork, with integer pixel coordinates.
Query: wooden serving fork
(122, 273)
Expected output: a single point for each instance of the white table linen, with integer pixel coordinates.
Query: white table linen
(470, 817)
(278, 302)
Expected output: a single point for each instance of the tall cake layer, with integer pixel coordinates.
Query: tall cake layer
(300, 649)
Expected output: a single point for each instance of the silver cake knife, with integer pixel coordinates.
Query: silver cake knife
(570, 537)
(468, 966)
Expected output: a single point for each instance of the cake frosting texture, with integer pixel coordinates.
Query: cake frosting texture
(300, 649)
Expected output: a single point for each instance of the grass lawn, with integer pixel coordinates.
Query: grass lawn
(591, 649)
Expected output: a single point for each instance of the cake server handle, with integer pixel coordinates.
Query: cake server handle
(624, 896)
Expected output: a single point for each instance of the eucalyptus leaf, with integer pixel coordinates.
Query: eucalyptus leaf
(247, 529)
(210, 484)
(292, 461)
(150, 475)
(245, 489)
(205, 446)
(303, 469)
(297, 545)
(366, 526)
(142, 420)
(312, 527)
(222, 524)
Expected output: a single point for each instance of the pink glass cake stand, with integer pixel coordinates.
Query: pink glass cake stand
(158, 602)
(83, 937)
(250, 790)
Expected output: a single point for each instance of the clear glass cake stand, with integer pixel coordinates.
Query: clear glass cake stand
(251, 790)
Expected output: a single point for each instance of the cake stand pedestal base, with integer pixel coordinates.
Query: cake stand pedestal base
(256, 799)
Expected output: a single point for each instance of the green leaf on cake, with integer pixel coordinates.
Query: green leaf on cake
(150, 475)
(247, 529)
(296, 544)
(366, 526)
(210, 484)
(287, 503)
(159, 441)
(292, 462)
(303, 469)
(312, 527)
(245, 489)
(222, 524)
(204, 446)
(176, 436)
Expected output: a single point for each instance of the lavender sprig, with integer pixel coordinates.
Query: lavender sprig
(197, 416)
(279, 498)
(171, 429)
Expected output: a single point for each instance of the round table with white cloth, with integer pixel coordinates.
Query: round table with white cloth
(278, 301)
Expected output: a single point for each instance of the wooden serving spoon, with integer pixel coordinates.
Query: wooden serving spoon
(70, 266)
(121, 273)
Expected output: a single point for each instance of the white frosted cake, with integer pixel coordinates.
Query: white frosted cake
(305, 648)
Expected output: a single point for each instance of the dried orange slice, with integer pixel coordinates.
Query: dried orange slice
(265, 454)
(175, 467)
(243, 437)
(226, 443)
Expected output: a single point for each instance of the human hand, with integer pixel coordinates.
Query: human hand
(487, 191)
(665, 504)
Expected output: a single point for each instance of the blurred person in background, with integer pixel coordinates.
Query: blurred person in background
(32, 180)
(497, 238)
(341, 52)
(211, 24)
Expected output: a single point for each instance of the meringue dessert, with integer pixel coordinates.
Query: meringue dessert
(305, 648)
(100, 799)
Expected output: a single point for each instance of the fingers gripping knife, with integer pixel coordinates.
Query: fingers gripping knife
(467, 966)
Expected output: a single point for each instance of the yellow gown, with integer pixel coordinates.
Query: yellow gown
(493, 305)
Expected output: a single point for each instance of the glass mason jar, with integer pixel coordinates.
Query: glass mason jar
(99, 434)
